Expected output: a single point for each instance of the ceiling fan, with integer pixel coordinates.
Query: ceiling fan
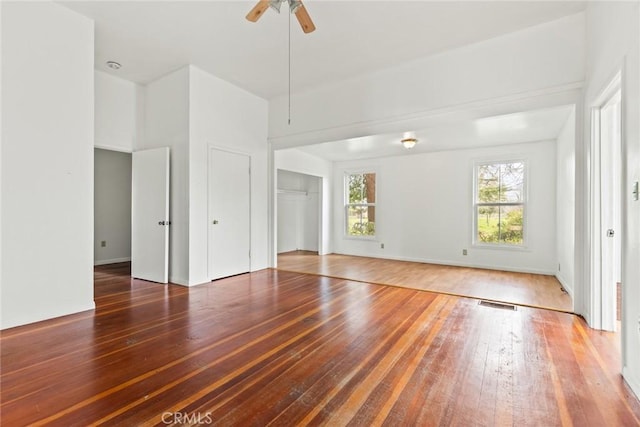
(295, 6)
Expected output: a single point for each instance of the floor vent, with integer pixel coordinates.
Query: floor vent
(498, 305)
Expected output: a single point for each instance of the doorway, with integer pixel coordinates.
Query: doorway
(607, 208)
(112, 207)
(299, 205)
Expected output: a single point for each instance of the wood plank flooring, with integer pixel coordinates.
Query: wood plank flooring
(533, 290)
(285, 349)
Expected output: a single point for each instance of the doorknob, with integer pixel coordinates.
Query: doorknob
(610, 232)
(164, 222)
(215, 221)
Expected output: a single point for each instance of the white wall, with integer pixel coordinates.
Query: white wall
(565, 203)
(223, 116)
(298, 213)
(424, 209)
(537, 60)
(112, 207)
(191, 111)
(116, 113)
(166, 124)
(613, 44)
(298, 161)
(47, 162)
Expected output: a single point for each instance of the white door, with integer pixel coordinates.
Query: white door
(610, 162)
(150, 215)
(229, 214)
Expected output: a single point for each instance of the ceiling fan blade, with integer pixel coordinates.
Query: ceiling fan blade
(304, 19)
(257, 11)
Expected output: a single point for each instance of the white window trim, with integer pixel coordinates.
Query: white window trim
(345, 203)
(525, 204)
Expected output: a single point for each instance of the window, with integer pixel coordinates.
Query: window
(500, 203)
(360, 204)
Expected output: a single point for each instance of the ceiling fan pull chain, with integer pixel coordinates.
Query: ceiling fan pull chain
(289, 118)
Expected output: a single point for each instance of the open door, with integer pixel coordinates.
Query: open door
(150, 215)
(605, 206)
(610, 203)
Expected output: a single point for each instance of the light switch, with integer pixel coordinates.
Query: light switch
(635, 191)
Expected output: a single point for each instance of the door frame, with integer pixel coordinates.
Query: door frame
(210, 149)
(599, 306)
(115, 150)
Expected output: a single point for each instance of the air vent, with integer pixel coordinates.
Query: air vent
(497, 305)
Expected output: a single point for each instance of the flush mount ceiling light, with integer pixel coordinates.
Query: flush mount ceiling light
(113, 65)
(409, 140)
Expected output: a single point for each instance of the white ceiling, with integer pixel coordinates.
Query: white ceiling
(152, 38)
(529, 126)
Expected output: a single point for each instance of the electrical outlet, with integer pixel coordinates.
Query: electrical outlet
(464, 252)
(103, 243)
(381, 245)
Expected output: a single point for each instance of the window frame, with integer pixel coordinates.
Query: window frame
(346, 204)
(475, 241)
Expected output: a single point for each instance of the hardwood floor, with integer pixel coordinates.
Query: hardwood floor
(284, 349)
(533, 290)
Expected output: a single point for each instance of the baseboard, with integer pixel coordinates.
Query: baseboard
(111, 261)
(633, 382)
(565, 285)
(178, 281)
(457, 264)
(53, 314)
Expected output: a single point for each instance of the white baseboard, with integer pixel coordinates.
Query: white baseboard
(178, 281)
(565, 285)
(55, 312)
(633, 382)
(457, 264)
(111, 261)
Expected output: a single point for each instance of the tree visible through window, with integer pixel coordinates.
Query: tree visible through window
(500, 203)
(360, 204)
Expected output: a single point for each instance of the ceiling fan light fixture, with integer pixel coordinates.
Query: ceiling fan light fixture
(275, 5)
(294, 5)
(409, 140)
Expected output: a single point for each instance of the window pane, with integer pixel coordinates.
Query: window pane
(362, 188)
(356, 188)
(488, 183)
(511, 225)
(361, 220)
(488, 224)
(370, 187)
(511, 182)
(500, 224)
